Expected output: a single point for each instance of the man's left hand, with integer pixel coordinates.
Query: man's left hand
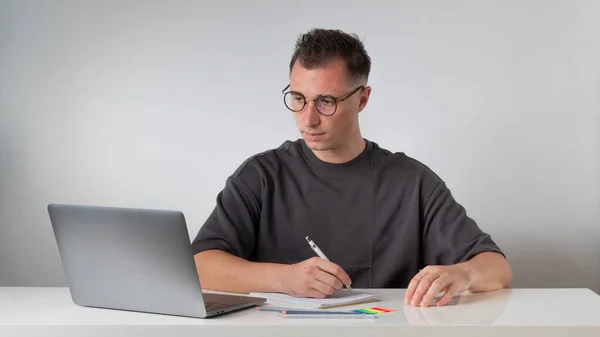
(432, 280)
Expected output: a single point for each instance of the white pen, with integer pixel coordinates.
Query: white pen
(320, 253)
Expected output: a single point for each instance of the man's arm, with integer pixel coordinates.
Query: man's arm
(222, 271)
(225, 243)
(314, 277)
(458, 255)
(488, 271)
(485, 272)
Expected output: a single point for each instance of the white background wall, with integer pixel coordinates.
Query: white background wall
(154, 103)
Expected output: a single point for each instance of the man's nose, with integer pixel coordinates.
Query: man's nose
(311, 116)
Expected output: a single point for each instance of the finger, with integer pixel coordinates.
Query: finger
(414, 283)
(450, 292)
(438, 285)
(422, 288)
(322, 288)
(334, 270)
(314, 293)
(412, 286)
(329, 279)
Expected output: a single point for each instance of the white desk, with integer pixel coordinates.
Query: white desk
(514, 312)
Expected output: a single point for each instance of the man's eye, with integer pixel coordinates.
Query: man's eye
(326, 101)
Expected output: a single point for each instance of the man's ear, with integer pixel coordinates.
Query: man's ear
(364, 98)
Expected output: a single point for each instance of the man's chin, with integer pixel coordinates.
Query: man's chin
(317, 146)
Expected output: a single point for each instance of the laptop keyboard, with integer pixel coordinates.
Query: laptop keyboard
(217, 302)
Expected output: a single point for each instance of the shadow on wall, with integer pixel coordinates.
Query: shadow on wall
(539, 264)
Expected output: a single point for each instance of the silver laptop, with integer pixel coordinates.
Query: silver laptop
(134, 259)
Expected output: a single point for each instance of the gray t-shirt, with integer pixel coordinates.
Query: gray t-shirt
(381, 216)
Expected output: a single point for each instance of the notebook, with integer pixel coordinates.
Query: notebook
(339, 298)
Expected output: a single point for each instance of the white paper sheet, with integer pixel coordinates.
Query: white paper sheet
(339, 298)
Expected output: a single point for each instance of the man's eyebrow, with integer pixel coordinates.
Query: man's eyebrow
(320, 94)
(296, 93)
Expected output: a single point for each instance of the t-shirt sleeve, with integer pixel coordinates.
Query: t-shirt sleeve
(449, 235)
(232, 225)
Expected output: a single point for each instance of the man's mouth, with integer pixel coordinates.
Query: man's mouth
(313, 136)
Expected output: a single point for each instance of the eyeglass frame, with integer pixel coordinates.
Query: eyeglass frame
(337, 100)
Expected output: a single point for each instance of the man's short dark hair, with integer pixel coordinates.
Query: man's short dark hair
(318, 47)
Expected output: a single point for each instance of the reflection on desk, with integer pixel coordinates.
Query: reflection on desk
(467, 309)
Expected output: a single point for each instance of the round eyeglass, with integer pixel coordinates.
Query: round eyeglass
(326, 104)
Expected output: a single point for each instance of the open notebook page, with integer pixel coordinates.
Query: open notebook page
(339, 298)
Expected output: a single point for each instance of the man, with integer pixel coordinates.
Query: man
(383, 219)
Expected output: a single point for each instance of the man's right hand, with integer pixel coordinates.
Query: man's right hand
(315, 277)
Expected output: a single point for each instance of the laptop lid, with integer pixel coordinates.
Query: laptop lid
(130, 259)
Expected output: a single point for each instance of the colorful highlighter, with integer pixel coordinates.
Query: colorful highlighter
(374, 310)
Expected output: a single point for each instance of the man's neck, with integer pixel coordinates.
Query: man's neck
(344, 153)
